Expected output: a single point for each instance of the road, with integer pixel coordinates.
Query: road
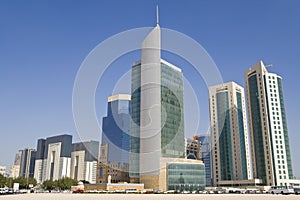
(148, 196)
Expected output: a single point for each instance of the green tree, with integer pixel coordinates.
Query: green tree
(2, 181)
(9, 182)
(49, 185)
(66, 183)
(60, 184)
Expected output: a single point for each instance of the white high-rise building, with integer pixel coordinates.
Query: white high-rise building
(53, 159)
(229, 136)
(27, 162)
(84, 159)
(271, 157)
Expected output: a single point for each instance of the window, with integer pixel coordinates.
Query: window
(101, 172)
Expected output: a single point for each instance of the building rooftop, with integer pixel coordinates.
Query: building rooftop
(119, 97)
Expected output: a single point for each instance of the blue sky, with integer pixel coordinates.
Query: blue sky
(43, 43)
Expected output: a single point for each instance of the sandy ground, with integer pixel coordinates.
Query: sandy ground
(148, 196)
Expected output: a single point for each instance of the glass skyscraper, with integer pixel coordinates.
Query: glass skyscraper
(206, 156)
(172, 116)
(116, 128)
(157, 126)
(271, 158)
(115, 146)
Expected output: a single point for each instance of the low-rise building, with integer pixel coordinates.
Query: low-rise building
(193, 148)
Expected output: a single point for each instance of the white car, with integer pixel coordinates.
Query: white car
(3, 191)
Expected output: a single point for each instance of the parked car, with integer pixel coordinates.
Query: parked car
(2, 191)
(78, 191)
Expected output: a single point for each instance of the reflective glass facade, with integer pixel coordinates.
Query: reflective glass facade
(186, 176)
(225, 136)
(172, 115)
(116, 131)
(240, 121)
(206, 157)
(135, 120)
(257, 128)
(172, 133)
(285, 130)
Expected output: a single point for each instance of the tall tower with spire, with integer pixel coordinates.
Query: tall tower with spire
(157, 127)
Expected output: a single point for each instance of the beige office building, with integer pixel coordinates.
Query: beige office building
(229, 136)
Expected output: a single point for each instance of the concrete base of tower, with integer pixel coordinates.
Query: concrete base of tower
(134, 179)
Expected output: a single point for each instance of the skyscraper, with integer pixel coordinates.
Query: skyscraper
(53, 159)
(271, 157)
(114, 151)
(229, 136)
(27, 162)
(84, 160)
(206, 156)
(157, 126)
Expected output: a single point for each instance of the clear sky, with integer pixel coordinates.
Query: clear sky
(43, 43)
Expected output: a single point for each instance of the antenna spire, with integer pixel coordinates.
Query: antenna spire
(157, 19)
